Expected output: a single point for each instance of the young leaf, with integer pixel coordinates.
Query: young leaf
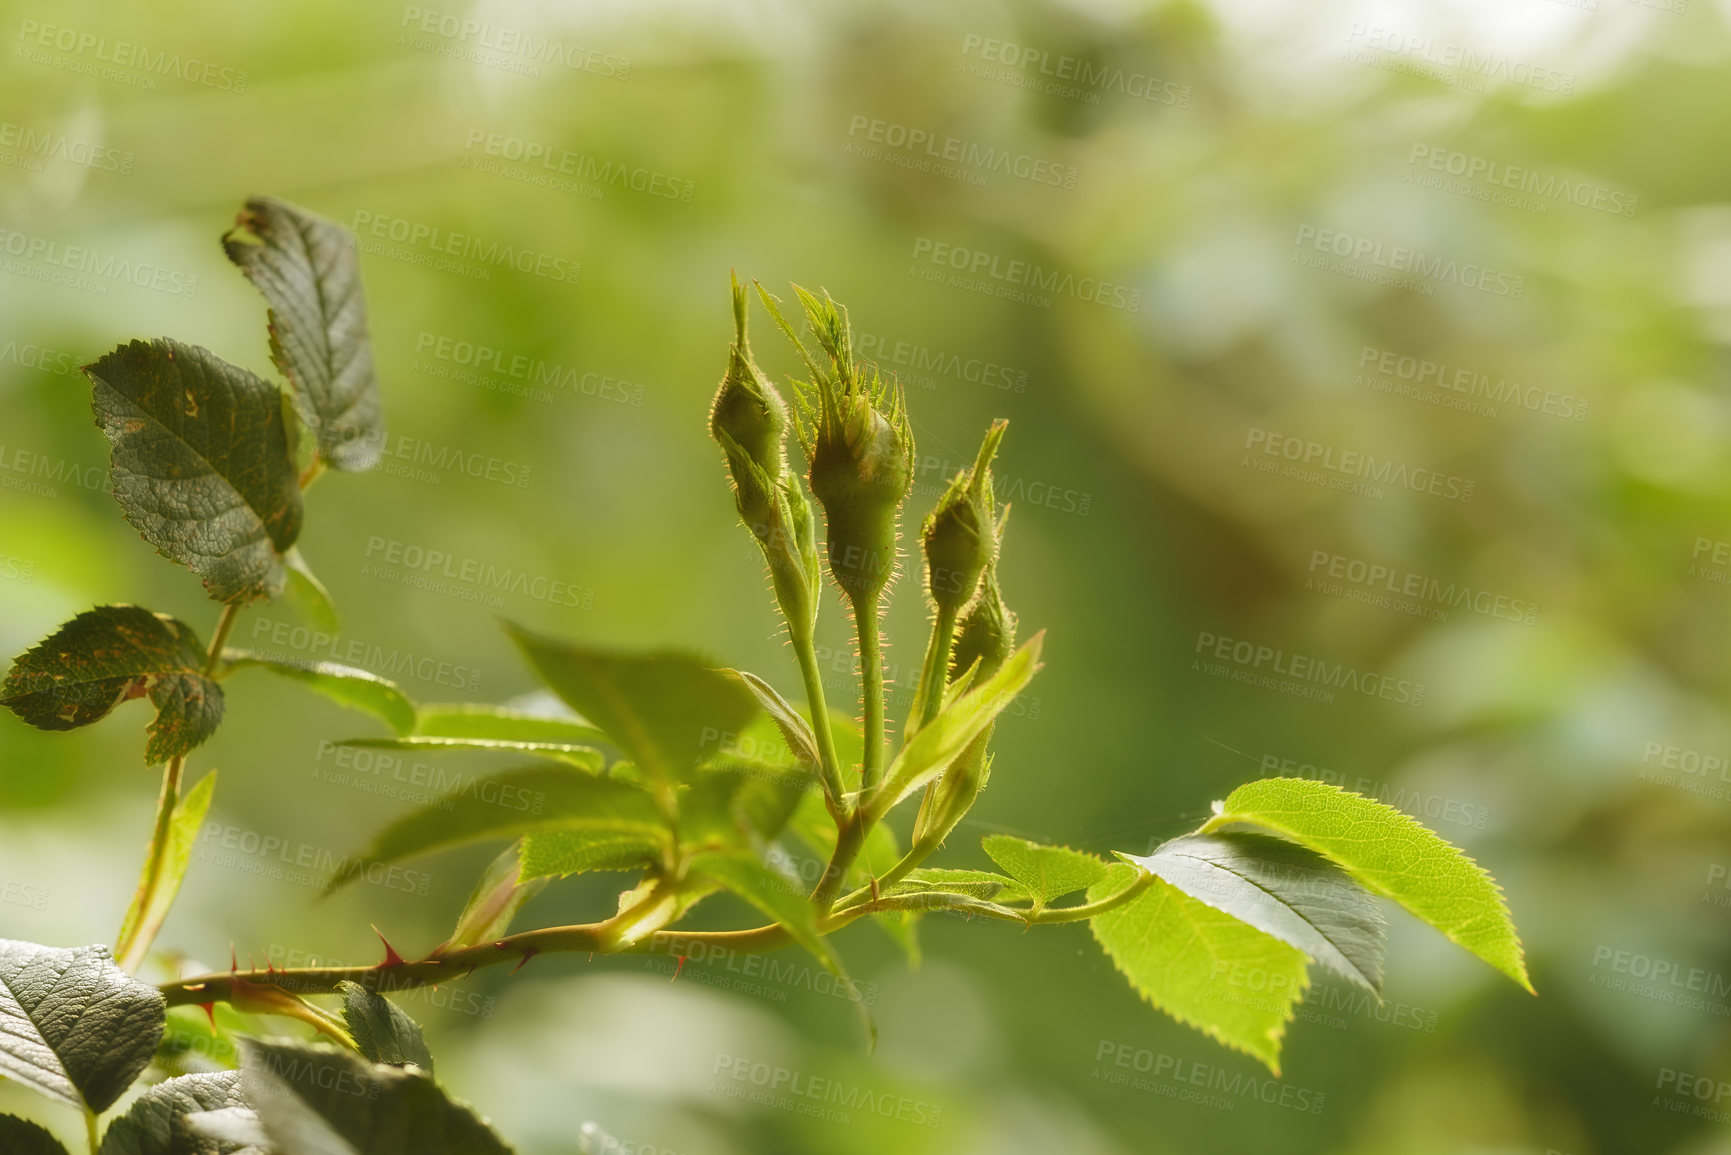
(1202, 967)
(973, 883)
(1392, 855)
(777, 895)
(159, 1121)
(106, 655)
(22, 1137)
(382, 1032)
(1047, 872)
(467, 720)
(583, 757)
(77, 1027)
(794, 729)
(940, 740)
(1281, 889)
(314, 1100)
(149, 908)
(502, 891)
(507, 805)
(566, 852)
(660, 708)
(201, 463)
(306, 590)
(349, 686)
(737, 802)
(308, 270)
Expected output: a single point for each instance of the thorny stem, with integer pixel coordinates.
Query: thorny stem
(871, 658)
(834, 791)
(934, 675)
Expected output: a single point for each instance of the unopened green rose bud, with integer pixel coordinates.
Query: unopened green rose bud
(860, 447)
(748, 410)
(987, 633)
(960, 536)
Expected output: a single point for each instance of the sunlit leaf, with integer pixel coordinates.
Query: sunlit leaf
(107, 655)
(584, 757)
(468, 720)
(201, 463)
(308, 270)
(349, 686)
(1046, 872)
(794, 729)
(973, 883)
(149, 908)
(502, 891)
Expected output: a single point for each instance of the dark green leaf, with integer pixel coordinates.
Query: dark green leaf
(201, 463)
(314, 1100)
(107, 655)
(507, 805)
(77, 1027)
(157, 1123)
(349, 686)
(22, 1137)
(502, 891)
(466, 720)
(583, 757)
(309, 272)
(1281, 889)
(661, 708)
(1226, 979)
(1047, 872)
(382, 1032)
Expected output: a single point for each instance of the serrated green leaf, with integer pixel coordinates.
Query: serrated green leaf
(309, 593)
(230, 1128)
(309, 271)
(566, 852)
(150, 905)
(201, 463)
(349, 686)
(583, 757)
(107, 655)
(794, 729)
(72, 1024)
(1204, 968)
(973, 883)
(157, 1121)
(1392, 855)
(937, 743)
(502, 891)
(1281, 889)
(1047, 872)
(468, 720)
(22, 1137)
(507, 805)
(740, 803)
(382, 1032)
(315, 1100)
(661, 708)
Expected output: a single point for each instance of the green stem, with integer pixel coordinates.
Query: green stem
(917, 853)
(90, 1130)
(834, 790)
(871, 692)
(1090, 909)
(934, 675)
(850, 834)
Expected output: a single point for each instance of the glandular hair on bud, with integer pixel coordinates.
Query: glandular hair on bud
(748, 411)
(960, 536)
(987, 633)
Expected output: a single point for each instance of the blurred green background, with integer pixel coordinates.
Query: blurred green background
(1487, 240)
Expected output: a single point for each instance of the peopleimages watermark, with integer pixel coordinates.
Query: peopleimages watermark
(1402, 591)
(935, 472)
(466, 578)
(301, 863)
(526, 375)
(416, 458)
(1661, 980)
(1717, 889)
(1120, 1064)
(923, 150)
(1415, 802)
(1070, 77)
(419, 243)
(17, 569)
(473, 40)
(1686, 769)
(16, 893)
(1348, 470)
(122, 61)
(1300, 675)
(562, 170)
(1531, 190)
(22, 146)
(30, 355)
(747, 973)
(392, 775)
(799, 1093)
(1696, 1095)
(980, 271)
(1716, 569)
(86, 269)
(1449, 63)
(30, 471)
(1397, 265)
(922, 365)
(1456, 387)
(319, 645)
(445, 996)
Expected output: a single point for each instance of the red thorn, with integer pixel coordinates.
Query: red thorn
(501, 944)
(524, 961)
(392, 958)
(678, 968)
(210, 1012)
(233, 960)
(251, 964)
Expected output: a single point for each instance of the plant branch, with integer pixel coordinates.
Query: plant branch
(871, 657)
(934, 674)
(834, 790)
